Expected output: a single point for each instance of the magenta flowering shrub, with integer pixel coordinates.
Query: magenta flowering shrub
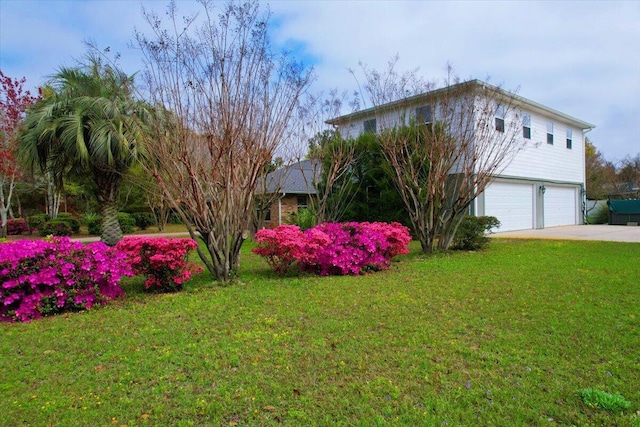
(17, 226)
(163, 261)
(333, 248)
(49, 276)
(287, 245)
(360, 246)
(397, 235)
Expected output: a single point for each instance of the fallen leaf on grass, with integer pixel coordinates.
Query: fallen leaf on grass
(269, 408)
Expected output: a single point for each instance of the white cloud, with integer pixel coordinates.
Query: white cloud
(582, 58)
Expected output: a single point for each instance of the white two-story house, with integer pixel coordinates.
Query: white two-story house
(542, 186)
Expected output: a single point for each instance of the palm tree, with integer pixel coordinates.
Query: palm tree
(87, 124)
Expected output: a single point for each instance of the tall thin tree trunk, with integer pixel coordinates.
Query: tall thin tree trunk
(53, 197)
(19, 205)
(5, 204)
(3, 217)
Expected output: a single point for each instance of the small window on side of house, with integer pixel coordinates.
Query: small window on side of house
(550, 133)
(526, 126)
(370, 126)
(423, 115)
(303, 201)
(500, 118)
(569, 138)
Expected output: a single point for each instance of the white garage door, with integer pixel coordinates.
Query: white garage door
(559, 206)
(511, 203)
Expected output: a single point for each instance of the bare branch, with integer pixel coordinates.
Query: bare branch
(224, 104)
(440, 167)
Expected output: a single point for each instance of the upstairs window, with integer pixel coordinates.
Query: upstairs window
(526, 126)
(370, 126)
(500, 118)
(550, 133)
(423, 115)
(569, 138)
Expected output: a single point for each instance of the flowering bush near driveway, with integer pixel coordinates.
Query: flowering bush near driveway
(333, 248)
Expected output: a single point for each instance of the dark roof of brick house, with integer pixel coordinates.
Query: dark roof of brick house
(297, 178)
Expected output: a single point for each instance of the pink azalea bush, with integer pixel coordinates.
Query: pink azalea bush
(287, 245)
(163, 261)
(16, 227)
(48, 276)
(333, 248)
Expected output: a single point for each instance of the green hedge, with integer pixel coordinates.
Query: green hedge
(56, 227)
(126, 221)
(71, 222)
(471, 235)
(38, 220)
(143, 219)
(41, 222)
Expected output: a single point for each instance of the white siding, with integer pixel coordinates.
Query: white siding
(520, 205)
(543, 161)
(538, 160)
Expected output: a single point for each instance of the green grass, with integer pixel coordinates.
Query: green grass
(612, 402)
(152, 229)
(506, 337)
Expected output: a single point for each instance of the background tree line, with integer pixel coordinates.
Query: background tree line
(606, 178)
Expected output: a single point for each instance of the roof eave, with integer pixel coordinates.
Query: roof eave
(416, 98)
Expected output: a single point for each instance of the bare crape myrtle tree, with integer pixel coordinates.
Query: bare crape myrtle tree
(441, 167)
(332, 156)
(223, 102)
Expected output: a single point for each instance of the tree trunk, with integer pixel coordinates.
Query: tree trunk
(448, 229)
(110, 232)
(53, 197)
(3, 229)
(224, 259)
(5, 203)
(108, 195)
(423, 237)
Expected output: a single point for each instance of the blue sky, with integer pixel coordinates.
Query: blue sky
(582, 58)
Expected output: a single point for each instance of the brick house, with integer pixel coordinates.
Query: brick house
(294, 185)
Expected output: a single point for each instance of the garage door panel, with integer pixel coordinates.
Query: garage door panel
(511, 203)
(559, 206)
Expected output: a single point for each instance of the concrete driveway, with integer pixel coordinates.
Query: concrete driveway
(610, 233)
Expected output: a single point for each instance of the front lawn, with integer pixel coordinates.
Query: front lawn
(507, 336)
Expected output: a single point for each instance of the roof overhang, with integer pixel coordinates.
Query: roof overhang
(415, 100)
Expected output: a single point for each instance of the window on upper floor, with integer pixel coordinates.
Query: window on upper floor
(526, 126)
(550, 133)
(500, 118)
(423, 115)
(569, 138)
(370, 125)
